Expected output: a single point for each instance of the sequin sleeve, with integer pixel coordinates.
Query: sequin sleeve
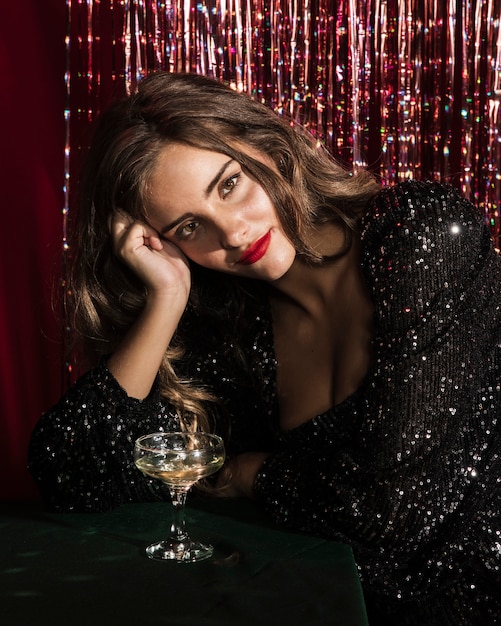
(406, 469)
(81, 450)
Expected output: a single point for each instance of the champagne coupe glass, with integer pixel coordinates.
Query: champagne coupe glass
(179, 459)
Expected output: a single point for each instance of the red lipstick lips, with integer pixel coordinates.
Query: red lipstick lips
(256, 251)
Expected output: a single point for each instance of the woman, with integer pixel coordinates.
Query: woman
(344, 339)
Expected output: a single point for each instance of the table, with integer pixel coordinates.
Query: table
(90, 569)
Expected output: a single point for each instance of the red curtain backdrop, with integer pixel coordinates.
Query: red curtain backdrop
(32, 101)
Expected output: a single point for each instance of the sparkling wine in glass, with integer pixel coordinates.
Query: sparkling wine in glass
(179, 460)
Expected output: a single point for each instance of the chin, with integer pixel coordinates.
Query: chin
(276, 272)
(275, 276)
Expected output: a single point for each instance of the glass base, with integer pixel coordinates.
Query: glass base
(186, 551)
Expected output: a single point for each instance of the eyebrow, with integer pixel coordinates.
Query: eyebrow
(217, 177)
(207, 193)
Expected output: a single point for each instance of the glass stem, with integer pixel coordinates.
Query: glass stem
(177, 529)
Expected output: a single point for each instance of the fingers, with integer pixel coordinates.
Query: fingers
(155, 242)
(118, 221)
(128, 233)
(158, 263)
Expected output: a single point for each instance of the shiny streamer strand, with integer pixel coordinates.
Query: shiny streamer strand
(410, 89)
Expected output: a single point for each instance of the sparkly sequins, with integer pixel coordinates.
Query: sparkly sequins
(409, 475)
(407, 470)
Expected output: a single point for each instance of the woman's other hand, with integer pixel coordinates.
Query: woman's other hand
(236, 479)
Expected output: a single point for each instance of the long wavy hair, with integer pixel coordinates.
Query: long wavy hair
(307, 187)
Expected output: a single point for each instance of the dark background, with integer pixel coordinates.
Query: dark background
(32, 102)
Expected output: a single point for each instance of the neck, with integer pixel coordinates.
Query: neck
(313, 287)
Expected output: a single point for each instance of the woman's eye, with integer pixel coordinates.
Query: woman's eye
(187, 230)
(229, 184)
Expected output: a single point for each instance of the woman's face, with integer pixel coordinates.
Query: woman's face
(217, 215)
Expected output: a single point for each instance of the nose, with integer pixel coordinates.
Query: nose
(232, 232)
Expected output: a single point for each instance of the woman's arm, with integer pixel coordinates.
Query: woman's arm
(165, 272)
(81, 450)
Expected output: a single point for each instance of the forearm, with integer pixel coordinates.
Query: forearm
(165, 272)
(80, 453)
(136, 362)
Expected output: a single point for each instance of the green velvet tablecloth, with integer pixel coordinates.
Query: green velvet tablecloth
(90, 569)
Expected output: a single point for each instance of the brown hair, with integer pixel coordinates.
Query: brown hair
(307, 187)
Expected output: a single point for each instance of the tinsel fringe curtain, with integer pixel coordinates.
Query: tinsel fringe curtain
(409, 88)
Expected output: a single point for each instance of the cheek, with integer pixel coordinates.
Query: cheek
(261, 208)
(205, 256)
(286, 252)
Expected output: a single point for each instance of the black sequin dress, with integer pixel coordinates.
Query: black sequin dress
(406, 470)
